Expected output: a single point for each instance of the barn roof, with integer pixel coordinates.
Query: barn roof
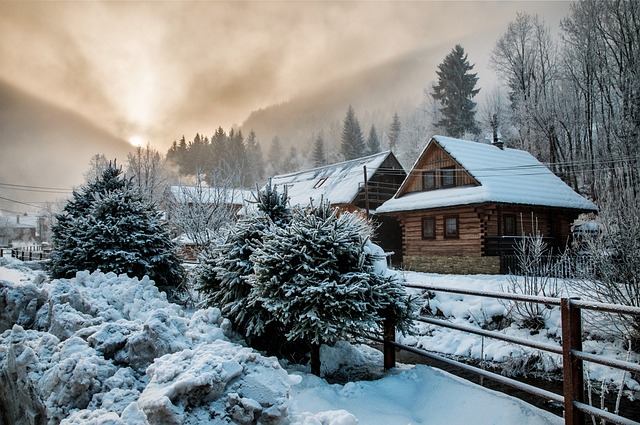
(509, 176)
(339, 183)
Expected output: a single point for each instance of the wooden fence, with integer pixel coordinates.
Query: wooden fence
(30, 253)
(560, 266)
(573, 357)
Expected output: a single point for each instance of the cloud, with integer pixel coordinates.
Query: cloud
(160, 69)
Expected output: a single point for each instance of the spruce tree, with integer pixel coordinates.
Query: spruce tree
(373, 143)
(223, 275)
(107, 225)
(394, 131)
(318, 279)
(454, 91)
(255, 161)
(319, 155)
(352, 142)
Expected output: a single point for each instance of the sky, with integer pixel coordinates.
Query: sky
(150, 71)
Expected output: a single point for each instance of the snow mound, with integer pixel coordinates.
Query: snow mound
(101, 348)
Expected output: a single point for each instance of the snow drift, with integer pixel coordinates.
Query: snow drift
(102, 348)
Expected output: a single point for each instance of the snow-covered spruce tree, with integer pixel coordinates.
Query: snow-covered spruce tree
(107, 225)
(321, 279)
(222, 274)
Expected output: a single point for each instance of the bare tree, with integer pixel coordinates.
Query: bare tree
(8, 231)
(200, 211)
(614, 275)
(526, 57)
(97, 164)
(146, 167)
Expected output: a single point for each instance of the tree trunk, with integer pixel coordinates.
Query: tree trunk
(315, 359)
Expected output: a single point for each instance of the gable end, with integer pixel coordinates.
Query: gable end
(436, 169)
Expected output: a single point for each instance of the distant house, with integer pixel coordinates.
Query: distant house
(343, 185)
(21, 230)
(197, 207)
(465, 204)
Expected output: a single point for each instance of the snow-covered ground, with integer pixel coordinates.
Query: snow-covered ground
(106, 349)
(483, 312)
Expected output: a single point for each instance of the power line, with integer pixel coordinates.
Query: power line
(29, 188)
(18, 202)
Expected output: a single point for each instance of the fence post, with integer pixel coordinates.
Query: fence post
(572, 368)
(388, 348)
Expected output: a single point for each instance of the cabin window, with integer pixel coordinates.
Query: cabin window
(429, 180)
(319, 183)
(428, 228)
(509, 225)
(448, 177)
(451, 227)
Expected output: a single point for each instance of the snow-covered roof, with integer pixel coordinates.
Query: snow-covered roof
(339, 183)
(186, 194)
(19, 221)
(506, 175)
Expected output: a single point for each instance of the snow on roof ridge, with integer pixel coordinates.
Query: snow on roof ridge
(500, 173)
(335, 164)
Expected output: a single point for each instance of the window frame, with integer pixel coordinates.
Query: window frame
(320, 182)
(431, 219)
(447, 235)
(505, 218)
(445, 174)
(433, 175)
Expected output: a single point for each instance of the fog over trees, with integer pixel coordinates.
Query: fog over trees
(569, 95)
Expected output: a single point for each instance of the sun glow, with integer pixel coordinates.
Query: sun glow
(136, 141)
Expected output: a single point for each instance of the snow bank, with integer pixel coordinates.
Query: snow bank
(102, 348)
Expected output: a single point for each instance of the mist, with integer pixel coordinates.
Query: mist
(157, 70)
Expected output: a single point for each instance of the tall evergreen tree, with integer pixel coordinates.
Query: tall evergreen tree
(319, 155)
(373, 143)
(255, 161)
(276, 155)
(107, 225)
(352, 142)
(454, 91)
(223, 276)
(394, 131)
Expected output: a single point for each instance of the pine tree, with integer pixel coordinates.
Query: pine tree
(276, 155)
(255, 161)
(394, 131)
(292, 162)
(454, 91)
(109, 226)
(373, 144)
(223, 276)
(352, 142)
(319, 155)
(318, 279)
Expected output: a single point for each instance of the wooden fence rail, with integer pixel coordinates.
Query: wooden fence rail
(26, 253)
(573, 357)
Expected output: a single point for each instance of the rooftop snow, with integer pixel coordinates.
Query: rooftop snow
(210, 194)
(508, 176)
(339, 183)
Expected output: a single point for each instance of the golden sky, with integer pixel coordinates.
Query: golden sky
(160, 69)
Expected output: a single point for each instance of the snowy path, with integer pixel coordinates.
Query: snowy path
(419, 395)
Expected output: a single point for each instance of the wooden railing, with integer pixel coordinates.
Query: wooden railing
(30, 253)
(570, 349)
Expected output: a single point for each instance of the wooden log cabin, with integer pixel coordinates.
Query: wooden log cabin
(343, 185)
(464, 205)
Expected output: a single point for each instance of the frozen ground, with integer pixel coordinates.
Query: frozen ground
(106, 349)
